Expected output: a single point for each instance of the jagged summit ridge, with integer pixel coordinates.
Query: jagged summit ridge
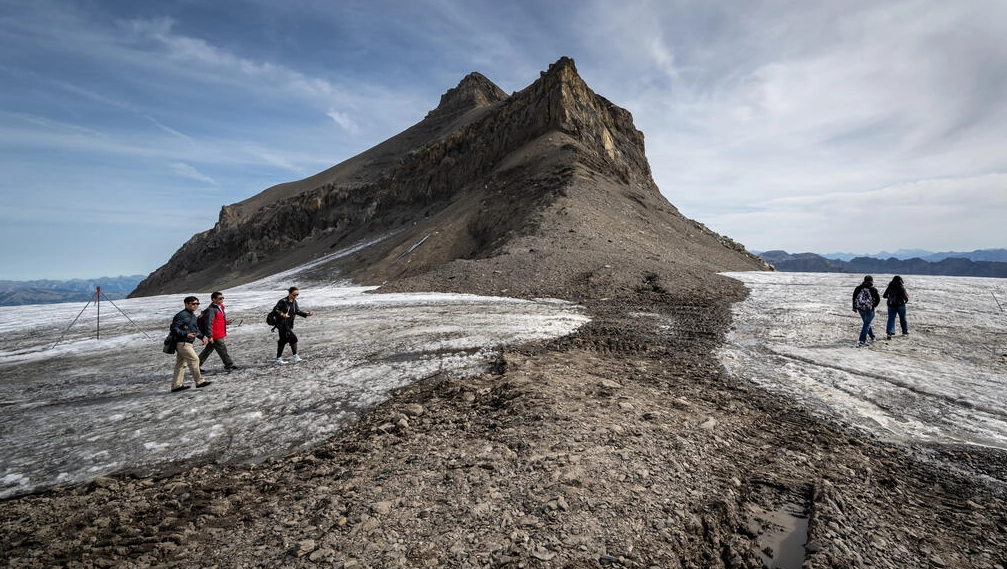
(475, 90)
(607, 129)
(478, 175)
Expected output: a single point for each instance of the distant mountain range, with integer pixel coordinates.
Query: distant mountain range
(16, 293)
(980, 263)
(996, 255)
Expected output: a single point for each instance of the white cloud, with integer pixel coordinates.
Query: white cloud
(344, 121)
(942, 214)
(168, 129)
(745, 106)
(192, 173)
(222, 65)
(770, 102)
(57, 126)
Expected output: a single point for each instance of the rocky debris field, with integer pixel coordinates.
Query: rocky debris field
(624, 445)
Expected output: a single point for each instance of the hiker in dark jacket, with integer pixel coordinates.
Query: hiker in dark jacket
(897, 299)
(865, 305)
(185, 328)
(286, 309)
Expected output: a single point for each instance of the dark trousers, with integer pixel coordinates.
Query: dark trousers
(286, 337)
(220, 347)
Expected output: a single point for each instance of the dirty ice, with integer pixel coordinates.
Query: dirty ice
(91, 399)
(944, 382)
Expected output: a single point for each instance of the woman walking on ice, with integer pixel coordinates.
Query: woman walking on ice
(897, 299)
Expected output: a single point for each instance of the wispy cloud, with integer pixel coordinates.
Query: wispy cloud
(762, 120)
(192, 173)
(343, 120)
(168, 129)
(53, 125)
(216, 64)
(769, 102)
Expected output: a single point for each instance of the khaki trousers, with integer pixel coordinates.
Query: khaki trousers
(185, 355)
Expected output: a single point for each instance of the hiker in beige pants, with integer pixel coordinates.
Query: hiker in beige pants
(186, 330)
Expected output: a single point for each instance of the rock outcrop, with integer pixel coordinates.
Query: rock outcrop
(484, 174)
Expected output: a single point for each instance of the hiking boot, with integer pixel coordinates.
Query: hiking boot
(279, 361)
(296, 358)
(204, 384)
(231, 368)
(180, 388)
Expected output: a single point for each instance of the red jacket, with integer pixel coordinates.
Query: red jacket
(216, 322)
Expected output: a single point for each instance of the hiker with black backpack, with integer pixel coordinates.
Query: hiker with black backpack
(865, 300)
(283, 315)
(897, 299)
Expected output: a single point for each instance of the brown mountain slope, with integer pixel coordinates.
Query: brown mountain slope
(545, 192)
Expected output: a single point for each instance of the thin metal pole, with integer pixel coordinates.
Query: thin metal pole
(71, 324)
(97, 326)
(996, 348)
(124, 314)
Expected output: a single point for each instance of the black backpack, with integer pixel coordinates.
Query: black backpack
(271, 318)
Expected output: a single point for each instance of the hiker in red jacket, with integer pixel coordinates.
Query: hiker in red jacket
(215, 330)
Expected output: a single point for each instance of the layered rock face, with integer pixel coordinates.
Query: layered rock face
(551, 174)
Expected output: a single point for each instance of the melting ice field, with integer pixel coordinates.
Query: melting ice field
(946, 382)
(92, 406)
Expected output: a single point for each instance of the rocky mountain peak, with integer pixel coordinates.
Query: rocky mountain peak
(553, 175)
(568, 105)
(475, 90)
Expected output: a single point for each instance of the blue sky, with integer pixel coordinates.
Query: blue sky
(835, 125)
